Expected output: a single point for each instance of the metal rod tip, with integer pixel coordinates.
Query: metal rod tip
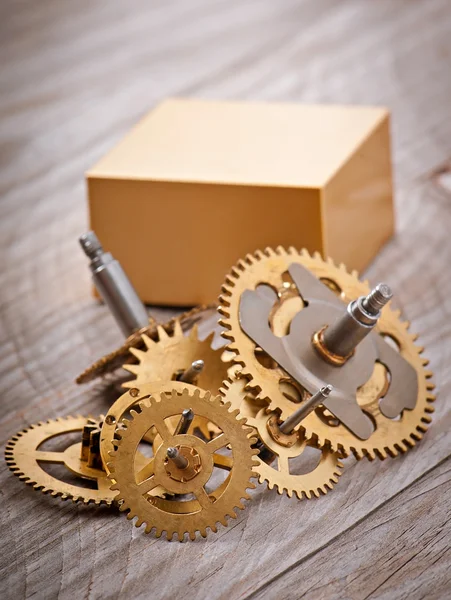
(378, 298)
(90, 244)
(198, 365)
(172, 452)
(326, 390)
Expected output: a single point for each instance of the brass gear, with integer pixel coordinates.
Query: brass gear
(23, 457)
(318, 481)
(391, 436)
(115, 359)
(131, 399)
(207, 508)
(169, 355)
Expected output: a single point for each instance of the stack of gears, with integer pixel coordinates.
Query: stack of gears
(305, 366)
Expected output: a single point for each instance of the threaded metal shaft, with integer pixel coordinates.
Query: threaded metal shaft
(90, 244)
(377, 298)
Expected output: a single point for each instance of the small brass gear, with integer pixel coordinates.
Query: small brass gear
(170, 355)
(276, 471)
(116, 359)
(131, 399)
(272, 384)
(24, 457)
(212, 501)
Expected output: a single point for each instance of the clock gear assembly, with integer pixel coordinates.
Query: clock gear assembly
(297, 323)
(304, 366)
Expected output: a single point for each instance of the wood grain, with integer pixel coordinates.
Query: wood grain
(74, 78)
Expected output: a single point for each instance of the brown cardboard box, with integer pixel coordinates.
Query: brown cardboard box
(198, 184)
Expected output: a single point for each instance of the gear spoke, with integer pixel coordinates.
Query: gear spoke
(49, 457)
(162, 429)
(282, 463)
(147, 485)
(203, 498)
(223, 462)
(217, 443)
(146, 472)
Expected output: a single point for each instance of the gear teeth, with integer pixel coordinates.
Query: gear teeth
(138, 354)
(162, 333)
(178, 331)
(148, 342)
(134, 370)
(194, 333)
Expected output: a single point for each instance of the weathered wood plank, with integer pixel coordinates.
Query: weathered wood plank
(73, 81)
(399, 551)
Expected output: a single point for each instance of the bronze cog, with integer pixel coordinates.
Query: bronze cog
(115, 359)
(208, 506)
(277, 471)
(23, 457)
(129, 400)
(270, 267)
(169, 355)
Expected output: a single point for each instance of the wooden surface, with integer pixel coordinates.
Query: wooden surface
(74, 77)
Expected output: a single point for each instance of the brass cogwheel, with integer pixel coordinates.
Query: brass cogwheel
(24, 458)
(206, 500)
(131, 399)
(271, 383)
(277, 471)
(203, 315)
(169, 355)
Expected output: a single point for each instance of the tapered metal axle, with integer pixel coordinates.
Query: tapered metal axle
(307, 407)
(342, 337)
(114, 286)
(179, 461)
(192, 373)
(185, 421)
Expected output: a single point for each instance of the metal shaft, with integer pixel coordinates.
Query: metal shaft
(180, 461)
(342, 337)
(192, 373)
(114, 286)
(185, 421)
(305, 409)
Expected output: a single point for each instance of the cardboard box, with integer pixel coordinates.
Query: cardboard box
(198, 184)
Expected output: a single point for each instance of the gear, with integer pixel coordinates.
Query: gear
(169, 356)
(129, 400)
(24, 458)
(271, 383)
(206, 508)
(114, 360)
(275, 471)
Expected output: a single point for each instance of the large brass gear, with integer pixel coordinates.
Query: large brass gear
(170, 354)
(391, 436)
(116, 359)
(23, 457)
(276, 471)
(175, 516)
